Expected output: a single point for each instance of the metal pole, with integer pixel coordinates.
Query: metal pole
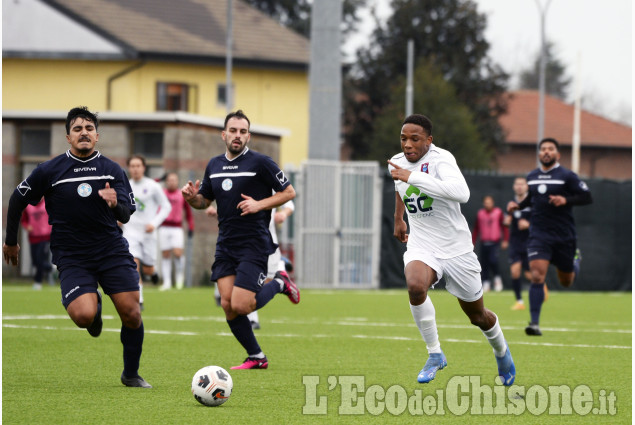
(542, 72)
(228, 60)
(409, 73)
(575, 141)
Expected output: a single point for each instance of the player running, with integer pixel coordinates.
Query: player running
(86, 194)
(553, 191)
(241, 181)
(430, 186)
(153, 208)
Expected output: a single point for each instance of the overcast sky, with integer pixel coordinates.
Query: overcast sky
(599, 32)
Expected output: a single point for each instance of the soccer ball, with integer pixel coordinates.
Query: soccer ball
(212, 386)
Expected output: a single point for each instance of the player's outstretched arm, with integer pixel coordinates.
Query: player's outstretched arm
(191, 195)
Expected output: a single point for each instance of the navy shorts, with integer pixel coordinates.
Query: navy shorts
(560, 254)
(249, 267)
(115, 273)
(517, 253)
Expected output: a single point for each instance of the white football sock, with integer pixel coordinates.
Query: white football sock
(253, 316)
(496, 339)
(179, 272)
(166, 271)
(424, 316)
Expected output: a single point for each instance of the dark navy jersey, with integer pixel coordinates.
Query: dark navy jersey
(548, 222)
(83, 224)
(252, 174)
(519, 237)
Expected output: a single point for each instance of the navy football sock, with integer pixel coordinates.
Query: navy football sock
(241, 328)
(266, 294)
(517, 288)
(132, 340)
(536, 297)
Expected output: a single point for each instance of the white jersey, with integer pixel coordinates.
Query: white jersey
(272, 223)
(432, 196)
(152, 205)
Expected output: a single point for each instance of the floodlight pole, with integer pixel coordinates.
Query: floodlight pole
(409, 78)
(542, 72)
(228, 60)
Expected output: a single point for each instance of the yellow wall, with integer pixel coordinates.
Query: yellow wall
(268, 97)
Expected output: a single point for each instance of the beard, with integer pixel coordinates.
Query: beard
(548, 162)
(235, 149)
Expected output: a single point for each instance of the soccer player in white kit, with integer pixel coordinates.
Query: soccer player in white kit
(152, 208)
(430, 186)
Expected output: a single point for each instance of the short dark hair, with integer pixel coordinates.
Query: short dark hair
(420, 120)
(80, 112)
(137, 156)
(549, 140)
(238, 114)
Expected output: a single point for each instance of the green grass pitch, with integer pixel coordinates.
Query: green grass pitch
(55, 373)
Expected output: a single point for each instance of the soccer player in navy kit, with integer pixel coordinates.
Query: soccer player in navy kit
(241, 182)
(86, 193)
(518, 223)
(553, 191)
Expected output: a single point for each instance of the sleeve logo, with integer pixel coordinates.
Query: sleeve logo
(282, 178)
(132, 199)
(23, 187)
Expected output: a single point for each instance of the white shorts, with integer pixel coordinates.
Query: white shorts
(273, 263)
(462, 273)
(170, 237)
(142, 246)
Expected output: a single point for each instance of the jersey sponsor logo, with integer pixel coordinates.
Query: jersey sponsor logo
(281, 177)
(23, 187)
(84, 190)
(227, 184)
(230, 167)
(261, 279)
(77, 170)
(421, 203)
(424, 167)
(544, 176)
(542, 188)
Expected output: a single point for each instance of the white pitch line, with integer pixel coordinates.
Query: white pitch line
(349, 321)
(68, 328)
(473, 341)
(291, 335)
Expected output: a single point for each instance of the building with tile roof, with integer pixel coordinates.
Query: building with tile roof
(606, 146)
(155, 71)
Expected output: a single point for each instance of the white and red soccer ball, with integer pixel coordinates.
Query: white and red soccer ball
(212, 386)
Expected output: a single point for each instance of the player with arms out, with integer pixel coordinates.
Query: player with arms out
(241, 182)
(553, 191)
(86, 194)
(430, 186)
